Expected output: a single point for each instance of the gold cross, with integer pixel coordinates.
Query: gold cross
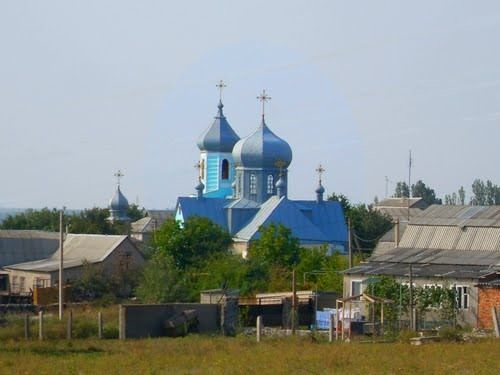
(118, 176)
(280, 164)
(221, 85)
(320, 171)
(263, 98)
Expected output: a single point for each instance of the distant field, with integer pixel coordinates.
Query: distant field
(242, 355)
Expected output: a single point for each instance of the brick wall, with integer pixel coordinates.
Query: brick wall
(488, 297)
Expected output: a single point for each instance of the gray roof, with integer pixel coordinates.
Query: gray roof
(262, 149)
(423, 271)
(451, 237)
(220, 136)
(78, 248)
(399, 213)
(397, 202)
(17, 246)
(481, 216)
(154, 219)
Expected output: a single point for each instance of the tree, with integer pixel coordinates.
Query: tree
(485, 194)
(402, 190)
(275, 247)
(461, 195)
(161, 281)
(419, 189)
(43, 219)
(189, 244)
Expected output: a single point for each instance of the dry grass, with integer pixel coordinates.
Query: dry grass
(242, 355)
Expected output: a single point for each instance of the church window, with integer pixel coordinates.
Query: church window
(225, 169)
(239, 185)
(253, 184)
(270, 184)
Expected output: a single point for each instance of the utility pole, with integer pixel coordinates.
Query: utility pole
(411, 299)
(61, 244)
(409, 184)
(349, 241)
(294, 301)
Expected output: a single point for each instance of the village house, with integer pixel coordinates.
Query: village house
(446, 246)
(112, 253)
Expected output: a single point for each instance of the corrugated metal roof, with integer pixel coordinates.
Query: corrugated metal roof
(481, 216)
(451, 237)
(78, 248)
(424, 271)
(397, 202)
(17, 246)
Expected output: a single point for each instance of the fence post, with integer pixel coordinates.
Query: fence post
(122, 322)
(40, 325)
(330, 329)
(99, 325)
(259, 327)
(26, 326)
(69, 328)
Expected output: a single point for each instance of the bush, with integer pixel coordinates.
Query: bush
(451, 334)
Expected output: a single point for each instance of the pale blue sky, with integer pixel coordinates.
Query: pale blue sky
(87, 87)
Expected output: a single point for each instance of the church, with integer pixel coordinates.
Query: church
(243, 186)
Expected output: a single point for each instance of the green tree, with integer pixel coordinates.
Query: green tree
(402, 190)
(193, 242)
(43, 219)
(461, 195)
(161, 281)
(275, 247)
(419, 189)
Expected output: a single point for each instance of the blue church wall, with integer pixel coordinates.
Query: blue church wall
(217, 184)
(256, 188)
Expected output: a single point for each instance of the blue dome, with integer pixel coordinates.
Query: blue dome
(262, 149)
(118, 202)
(220, 136)
(320, 189)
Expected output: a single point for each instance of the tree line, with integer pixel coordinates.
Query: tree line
(484, 193)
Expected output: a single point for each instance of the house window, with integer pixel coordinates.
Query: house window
(253, 184)
(225, 169)
(270, 184)
(22, 281)
(14, 287)
(462, 297)
(355, 287)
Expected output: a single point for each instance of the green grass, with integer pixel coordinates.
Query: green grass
(196, 354)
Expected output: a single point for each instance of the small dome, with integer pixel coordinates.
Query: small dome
(118, 202)
(200, 186)
(320, 189)
(262, 149)
(220, 136)
(280, 184)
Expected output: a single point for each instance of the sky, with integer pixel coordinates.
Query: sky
(90, 87)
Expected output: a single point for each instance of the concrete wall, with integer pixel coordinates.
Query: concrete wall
(488, 298)
(138, 321)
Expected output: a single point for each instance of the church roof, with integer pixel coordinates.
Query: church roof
(212, 208)
(262, 149)
(282, 211)
(220, 136)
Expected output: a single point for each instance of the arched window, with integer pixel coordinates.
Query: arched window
(238, 190)
(253, 184)
(270, 184)
(225, 169)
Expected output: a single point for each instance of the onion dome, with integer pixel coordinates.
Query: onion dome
(220, 136)
(320, 189)
(262, 149)
(118, 202)
(280, 187)
(199, 189)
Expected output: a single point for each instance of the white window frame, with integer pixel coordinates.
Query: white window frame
(270, 184)
(253, 184)
(351, 283)
(462, 299)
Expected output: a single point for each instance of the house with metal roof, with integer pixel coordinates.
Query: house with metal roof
(446, 246)
(111, 253)
(242, 186)
(142, 230)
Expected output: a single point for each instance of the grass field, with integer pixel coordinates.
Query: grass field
(242, 355)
